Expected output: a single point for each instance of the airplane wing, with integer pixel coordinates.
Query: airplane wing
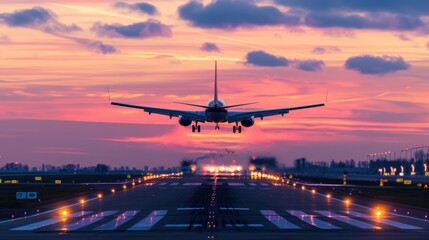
(193, 115)
(240, 116)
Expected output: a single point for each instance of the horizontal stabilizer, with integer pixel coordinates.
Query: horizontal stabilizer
(237, 105)
(191, 104)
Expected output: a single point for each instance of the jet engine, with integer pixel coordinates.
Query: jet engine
(248, 122)
(185, 121)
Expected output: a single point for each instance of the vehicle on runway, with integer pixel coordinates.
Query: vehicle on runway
(217, 111)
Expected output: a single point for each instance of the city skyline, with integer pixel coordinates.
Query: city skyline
(55, 105)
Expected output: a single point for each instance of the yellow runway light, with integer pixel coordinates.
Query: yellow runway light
(99, 195)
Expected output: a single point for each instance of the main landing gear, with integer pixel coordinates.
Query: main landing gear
(217, 126)
(236, 128)
(196, 127)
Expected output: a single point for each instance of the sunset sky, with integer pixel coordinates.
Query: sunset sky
(59, 57)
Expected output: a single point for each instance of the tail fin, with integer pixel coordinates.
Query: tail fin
(215, 85)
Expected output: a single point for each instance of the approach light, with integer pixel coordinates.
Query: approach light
(124, 186)
(64, 213)
(82, 201)
(328, 195)
(113, 190)
(303, 187)
(99, 195)
(313, 191)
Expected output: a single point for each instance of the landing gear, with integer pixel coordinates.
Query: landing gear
(196, 127)
(236, 128)
(217, 127)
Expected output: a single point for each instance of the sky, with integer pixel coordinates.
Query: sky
(59, 57)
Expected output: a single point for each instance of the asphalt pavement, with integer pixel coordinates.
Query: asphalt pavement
(215, 208)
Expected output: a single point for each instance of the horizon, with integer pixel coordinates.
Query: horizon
(60, 57)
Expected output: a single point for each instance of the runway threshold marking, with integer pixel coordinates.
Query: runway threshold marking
(85, 221)
(174, 184)
(48, 222)
(121, 219)
(312, 220)
(251, 225)
(185, 225)
(278, 220)
(148, 222)
(252, 184)
(348, 220)
(382, 220)
(263, 184)
(162, 184)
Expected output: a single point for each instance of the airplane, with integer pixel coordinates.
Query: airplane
(216, 111)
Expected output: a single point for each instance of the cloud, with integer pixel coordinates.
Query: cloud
(261, 58)
(147, 29)
(367, 64)
(362, 21)
(209, 47)
(93, 45)
(310, 65)
(141, 7)
(230, 14)
(36, 18)
(409, 7)
(325, 50)
(403, 37)
(264, 59)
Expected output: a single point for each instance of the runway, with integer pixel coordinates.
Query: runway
(214, 208)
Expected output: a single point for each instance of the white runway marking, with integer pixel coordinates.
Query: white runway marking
(278, 220)
(85, 221)
(382, 220)
(121, 219)
(48, 222)
(174, 184)
(245, 225)
(312, 220)
(252, 184)
(162, 184)
(348, 220)
(234, 208)
(148, 222)
(236, 184)
(185, 225)
(190, 208)
(192, 184)
(263, 184)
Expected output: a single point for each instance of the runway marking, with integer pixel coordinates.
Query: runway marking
(348, 220)
(236, 184)
(190, 208)
(234, 208)
(121, 219)
(245, 225)
(312, 220)
(162, 184)
(85, 221)
(383, 221)
(48, 222)
(252, 184)
(278, 220)
(148, 222)
(185, 225)
(174, 184)
(192, 184)
(264, 184)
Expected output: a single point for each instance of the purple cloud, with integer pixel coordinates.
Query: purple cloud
(230, 14)
(367, 64)
(310, 65)
(261, 58)
(147, 29)
(209, 47)
(37, 18)
(325, 50)
(141, 7)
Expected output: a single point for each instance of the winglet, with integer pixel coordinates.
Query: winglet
(326, 98)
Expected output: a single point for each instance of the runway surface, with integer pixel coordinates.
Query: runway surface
(214, 208)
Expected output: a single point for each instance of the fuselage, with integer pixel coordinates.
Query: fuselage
(215, 112)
